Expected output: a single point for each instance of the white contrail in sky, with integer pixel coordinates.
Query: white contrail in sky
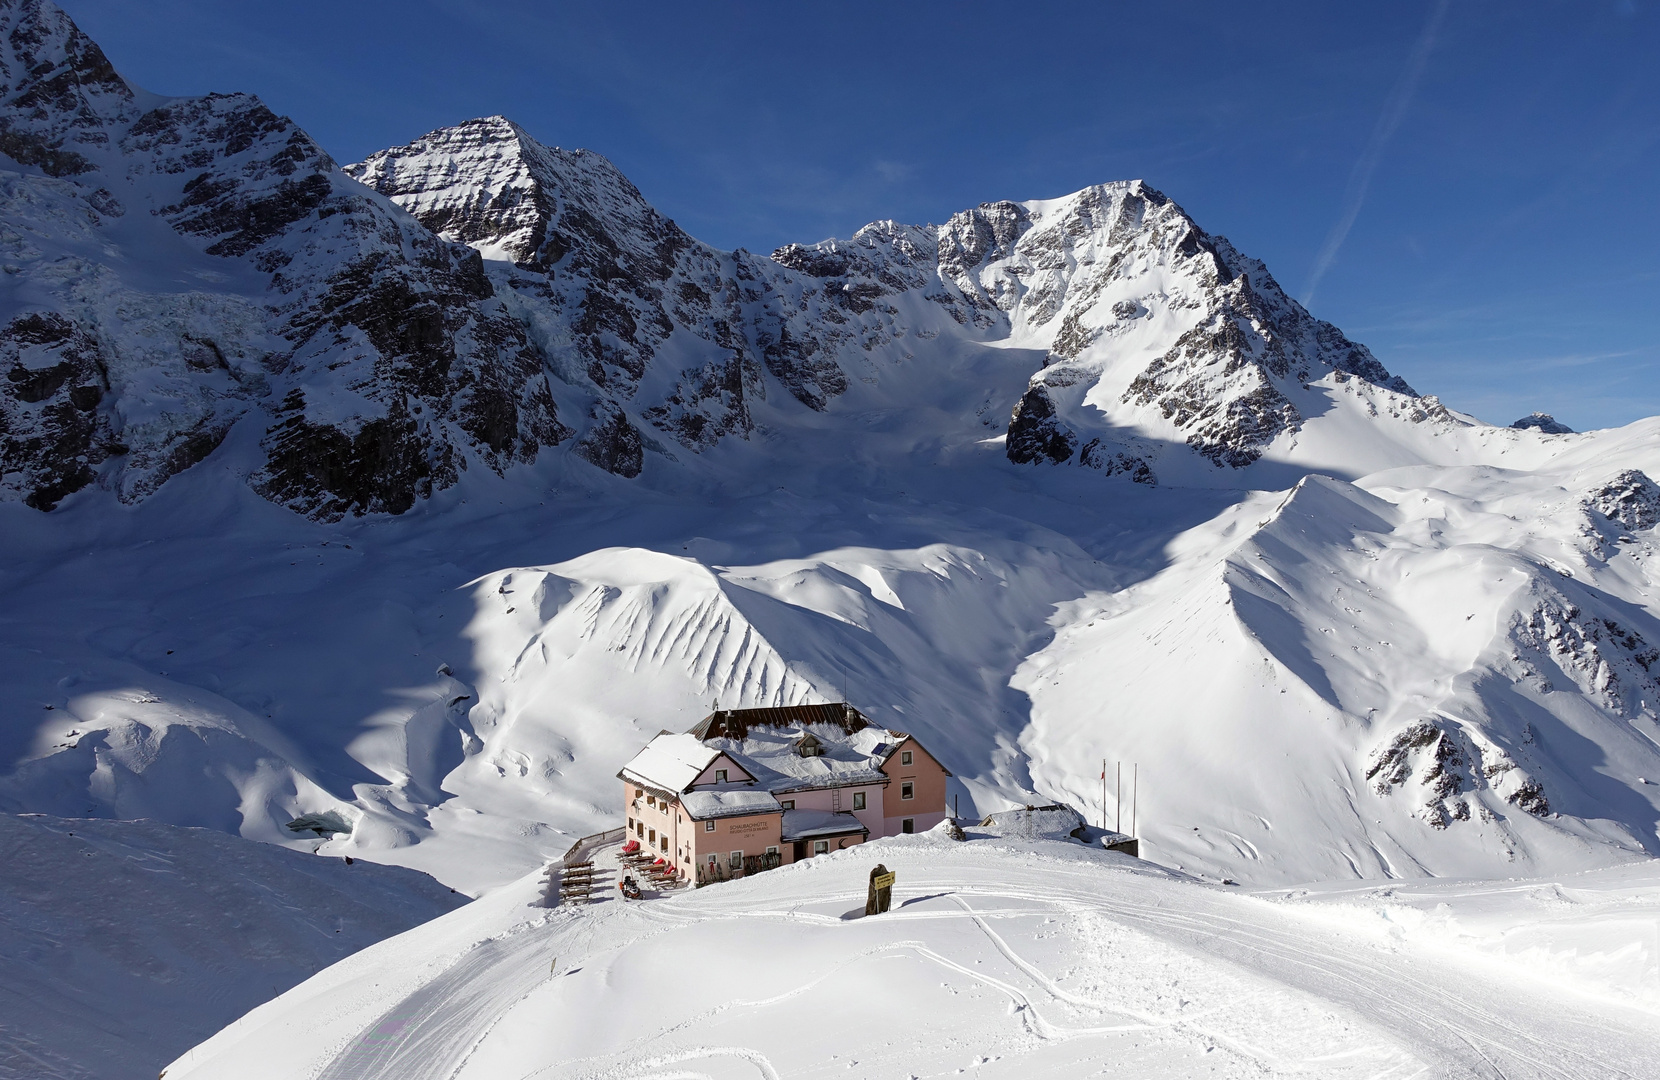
(1360, 179)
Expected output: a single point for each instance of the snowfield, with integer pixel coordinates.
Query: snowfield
(124, 942)
(1000, 958)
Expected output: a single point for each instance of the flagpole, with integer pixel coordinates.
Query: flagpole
(1118, 810)
(1135, 792)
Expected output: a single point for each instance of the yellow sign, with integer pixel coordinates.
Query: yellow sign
(883, 881)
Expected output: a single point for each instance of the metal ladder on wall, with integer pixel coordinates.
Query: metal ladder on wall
(836, 800)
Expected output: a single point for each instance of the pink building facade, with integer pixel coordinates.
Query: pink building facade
(749, 789)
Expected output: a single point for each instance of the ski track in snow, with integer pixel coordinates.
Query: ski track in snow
(1088, 955)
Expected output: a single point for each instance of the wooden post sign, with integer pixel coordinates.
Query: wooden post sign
(881, 890)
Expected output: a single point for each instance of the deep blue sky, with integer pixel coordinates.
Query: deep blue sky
(1499, 160)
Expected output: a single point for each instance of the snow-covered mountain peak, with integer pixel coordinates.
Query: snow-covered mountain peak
(57, 89)
(489, 184)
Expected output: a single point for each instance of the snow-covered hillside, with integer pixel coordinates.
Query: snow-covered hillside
(123, 943)
(1000, 958)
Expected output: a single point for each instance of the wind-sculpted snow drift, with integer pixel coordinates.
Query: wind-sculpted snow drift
(420, 492)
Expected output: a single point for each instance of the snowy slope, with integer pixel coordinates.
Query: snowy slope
(1000, 958)
(122, 943)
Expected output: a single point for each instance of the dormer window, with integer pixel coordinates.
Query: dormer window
(720, 776)
(810, 747)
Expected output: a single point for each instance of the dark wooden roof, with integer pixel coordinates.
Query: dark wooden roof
(735, 723)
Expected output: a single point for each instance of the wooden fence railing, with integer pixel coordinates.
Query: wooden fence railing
(606, 837)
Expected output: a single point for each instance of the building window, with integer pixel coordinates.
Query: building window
(907, 790)
(653, 837)
(630, 825)
(708, 826)
(639, 828)
(720, 776)
(904, 757)
(651, 800)
(821, 847)
(858, 800)
(736, 860)
(665, 841)
(788, 804)
(908, 825)
(772, 850)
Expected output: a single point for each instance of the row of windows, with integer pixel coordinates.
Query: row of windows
(735, 861)
(650, 835)
(907, 790)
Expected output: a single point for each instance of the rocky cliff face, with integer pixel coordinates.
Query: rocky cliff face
(175, 268)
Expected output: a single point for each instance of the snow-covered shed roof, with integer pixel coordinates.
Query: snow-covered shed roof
(670, 761)
(802, 824)
(705, 803)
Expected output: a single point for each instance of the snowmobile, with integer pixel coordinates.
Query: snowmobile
(630, 889)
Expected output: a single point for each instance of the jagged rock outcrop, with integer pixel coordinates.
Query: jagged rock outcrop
(1630, 499)
(638, 316)
(1544, 423)
(1444, 767)
(1034, 433)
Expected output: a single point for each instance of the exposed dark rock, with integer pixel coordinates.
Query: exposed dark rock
(52, 433)
(611, 442)
(26, 149)
(326, 473)
(1034, 432)
(1544, 423)
(1451, 767)
(1097, 455)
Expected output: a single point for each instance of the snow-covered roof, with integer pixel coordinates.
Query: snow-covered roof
(773, 755)
(705, 803)
(801, 824)
(670, 762)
